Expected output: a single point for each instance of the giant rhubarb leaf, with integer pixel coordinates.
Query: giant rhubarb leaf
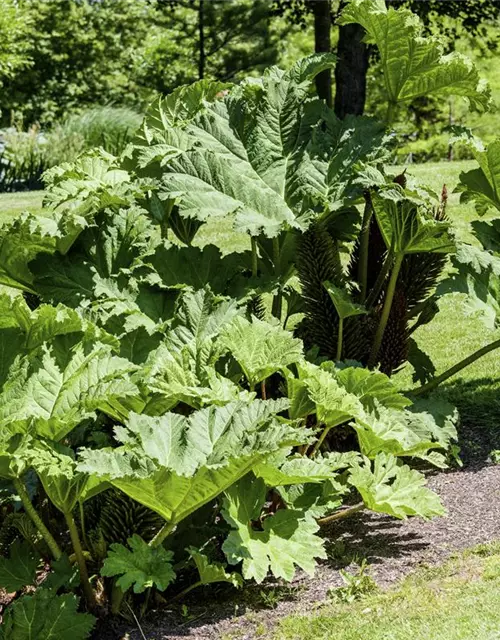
(19, 569)
(394, 489)
(477, 274)
(406, 229)
(259, 348)
(278, 543)
(46, 616)
(414, 65)
(52, 391)
(482, 185)
(175, 464)
(142, 566)
(266, 155)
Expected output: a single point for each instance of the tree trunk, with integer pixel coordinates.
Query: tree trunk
(201, 41)
(350, 71)
(322, 44)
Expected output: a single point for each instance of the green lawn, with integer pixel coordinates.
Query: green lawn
(12, 204)
(452, 335)
(458, 601)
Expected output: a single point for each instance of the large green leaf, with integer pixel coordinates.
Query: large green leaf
(406, 229)
(211, 572)
(333, 403)
(265, 155)
(51, 391)
(260, 348)
(142, 566)
(181, 369)
(394, 432)
(488, 234)
(20, 242)
(294, 470)
(344, 305)
(19, 569)
(284, 540)
(371, 387)
(175, 464)
(413, 65)
(394, 489)
(482, 185)
(56, 468)
(45, 616)
(179, 267)
(477, 274)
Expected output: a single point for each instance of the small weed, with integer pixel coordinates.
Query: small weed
(185, 613)
(336, 551)
(356, 585)
(270, 598)
(495, 456)
(273, 596)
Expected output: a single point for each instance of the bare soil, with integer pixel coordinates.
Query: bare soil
(392, 548)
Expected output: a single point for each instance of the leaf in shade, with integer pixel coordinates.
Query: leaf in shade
(140, 566)
(286, 538)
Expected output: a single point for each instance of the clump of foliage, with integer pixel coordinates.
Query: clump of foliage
(138, 364)
(26, 155)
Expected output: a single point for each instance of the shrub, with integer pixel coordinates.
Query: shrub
(139, 365)
(26, 155)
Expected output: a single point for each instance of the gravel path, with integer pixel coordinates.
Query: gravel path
(392, 548)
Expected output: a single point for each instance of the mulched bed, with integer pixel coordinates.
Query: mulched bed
(391, 547)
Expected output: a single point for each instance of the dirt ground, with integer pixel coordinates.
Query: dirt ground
(392, 548)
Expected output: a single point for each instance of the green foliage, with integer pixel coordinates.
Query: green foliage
(356, 586)
(80, 54)
(46, 616)
(259, 349)
(141, 566)
(14, 26)
(397, 490)
(277, 543)
(19, 569)
(344, 306)
(176, 464)
(210, 572)
(480, 185)
(140, 372)
(414, 66)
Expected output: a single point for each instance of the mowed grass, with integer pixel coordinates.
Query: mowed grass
(12, 204)
(453, 334)
(457, 601)
(447, 339)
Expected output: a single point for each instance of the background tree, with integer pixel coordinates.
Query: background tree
(14, 24)
(445, 17)
(214, 39)
(81, 53)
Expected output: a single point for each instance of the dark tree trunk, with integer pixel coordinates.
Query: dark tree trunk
(322, 44)
(201, 40)
(350, 71)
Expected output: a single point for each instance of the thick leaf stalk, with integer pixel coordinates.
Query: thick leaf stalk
(386, 310)
(163, 533)
(340, 338)
(435, 382)
(80, 558)
(340, 515)
(364, 247)
(37, 521)
(278, 297)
